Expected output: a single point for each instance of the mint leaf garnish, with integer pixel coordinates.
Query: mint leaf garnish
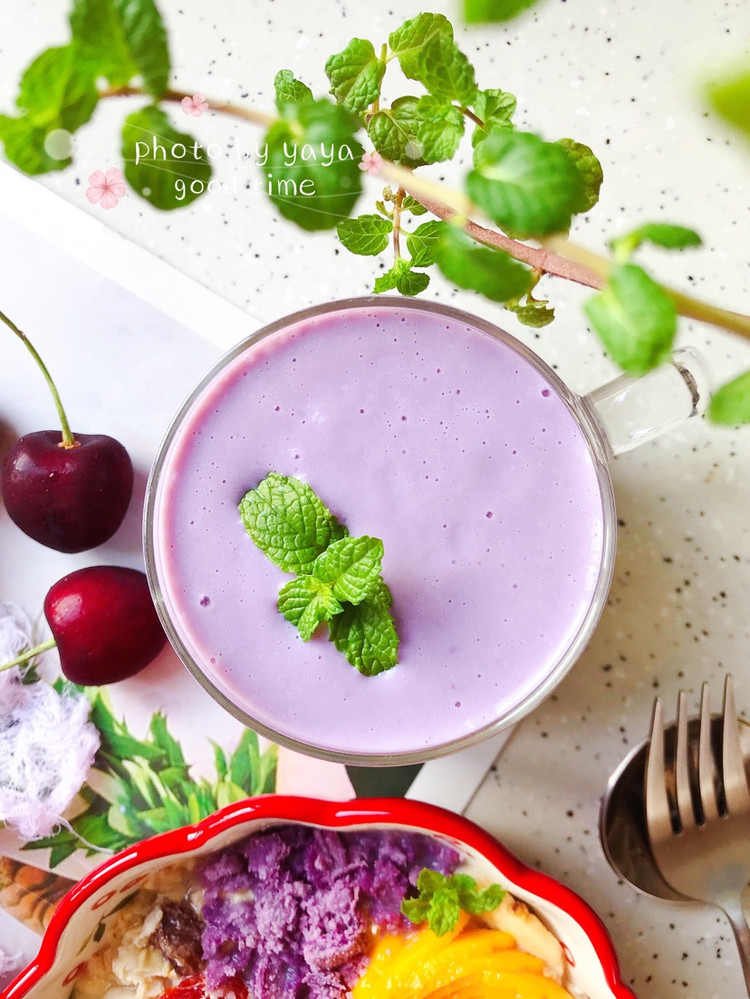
(288, 522)
(351, 567)
(442, 897)
(338, 577)
(635, 319)
(366, 633)
(355, 75)
(367, 235)
(306, 602)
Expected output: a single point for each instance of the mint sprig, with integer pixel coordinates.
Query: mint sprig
(442, 897)
(288, 522)
(310, 156)
(338, 577)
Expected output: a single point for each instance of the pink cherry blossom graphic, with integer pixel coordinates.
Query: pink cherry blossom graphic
(106, 188)
(195, 105)
(371, 163)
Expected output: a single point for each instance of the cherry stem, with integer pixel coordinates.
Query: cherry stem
(68, 440)
(24, 657)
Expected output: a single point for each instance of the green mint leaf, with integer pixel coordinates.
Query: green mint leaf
(366, 633)
(589, 171)
(662, 234)
(494, 11)
(445, 71)
(423, 243)
(476, 901)
(288, 522)
(529, 187)
(120, 39)
(412, 282)
(730, 97)
(730, 404)
(410, 204)
(441, 898)
(389, 280)
(350, 567)
(312, 171)
(166, 167)
(534, 313)
(289, 90)
(402, 278)
(307, 601)
(415, 909)
(635, 319)
(443, 911)
(407, 42)
(494, 107)
(56, 91)
(25, 146)
(367, 235)
(393, 132)
(492, 273)
(439, 130)
(355, 75)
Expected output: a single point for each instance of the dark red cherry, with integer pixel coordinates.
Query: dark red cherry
(70, 497)
(104, 623)
(67, 493)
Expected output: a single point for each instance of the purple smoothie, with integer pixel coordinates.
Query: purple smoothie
(427, 432)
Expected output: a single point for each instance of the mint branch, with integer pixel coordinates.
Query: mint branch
(530, 193)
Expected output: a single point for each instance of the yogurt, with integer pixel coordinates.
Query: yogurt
(456, 447)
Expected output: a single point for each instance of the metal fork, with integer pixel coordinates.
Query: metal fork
(697, 807)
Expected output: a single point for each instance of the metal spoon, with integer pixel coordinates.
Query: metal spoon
(622, 824)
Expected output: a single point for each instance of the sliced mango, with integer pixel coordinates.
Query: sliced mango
(395, 956)
(471, 962)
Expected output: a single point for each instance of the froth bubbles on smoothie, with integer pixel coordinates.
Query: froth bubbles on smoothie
(436, 437)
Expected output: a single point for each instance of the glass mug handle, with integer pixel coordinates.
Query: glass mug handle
(633, 410)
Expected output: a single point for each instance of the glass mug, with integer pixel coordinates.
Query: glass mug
(485, 477)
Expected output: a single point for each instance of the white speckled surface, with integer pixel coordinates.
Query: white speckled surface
(624, 78)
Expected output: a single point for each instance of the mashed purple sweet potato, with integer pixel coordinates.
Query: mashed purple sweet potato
(289, 910)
